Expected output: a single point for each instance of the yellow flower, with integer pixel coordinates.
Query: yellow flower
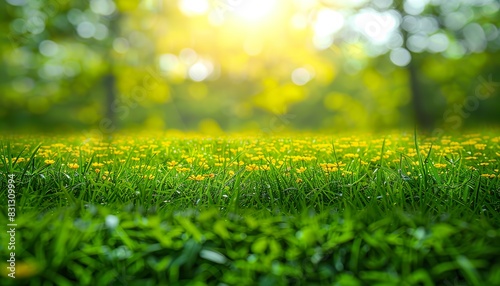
(265, 168)
(331, 167)
(172, 163)
(480, 146)
(98, 165)
(345, 173)
(299, 180)
(439, 165)
(491, 176)
(196, 178)
(301, 170)
(148, 177)
(182, 169)
(49, 162)
(252, 167)
(73, 166)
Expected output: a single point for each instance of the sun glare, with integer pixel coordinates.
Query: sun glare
(255, 10)
(194, 7)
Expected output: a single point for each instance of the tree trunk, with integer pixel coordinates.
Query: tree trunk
(109, 82)
(423, 119)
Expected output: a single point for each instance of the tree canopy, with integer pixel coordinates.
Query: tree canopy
(236, 64)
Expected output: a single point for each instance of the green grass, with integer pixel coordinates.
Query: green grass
(303, 209)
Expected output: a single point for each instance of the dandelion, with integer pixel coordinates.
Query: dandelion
(196, 178)
(182, 169)
(439, 165)
(490, 176)
(252, 167)
(264, 168)
(345, 173)
(300, 170)
(73, 166)
(150, 177)
(480, 146)
(172, 163)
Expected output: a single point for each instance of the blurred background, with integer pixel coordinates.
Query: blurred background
(235, 65)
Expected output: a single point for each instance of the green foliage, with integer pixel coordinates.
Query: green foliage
(307, 209)
(84, 246)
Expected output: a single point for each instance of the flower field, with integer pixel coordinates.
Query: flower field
(305, 208)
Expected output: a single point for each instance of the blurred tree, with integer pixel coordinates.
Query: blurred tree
(241, 64)
(408, 30)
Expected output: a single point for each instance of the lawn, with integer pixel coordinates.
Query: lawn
(177, 209)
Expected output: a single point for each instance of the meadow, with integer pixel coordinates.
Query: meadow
(307, 209)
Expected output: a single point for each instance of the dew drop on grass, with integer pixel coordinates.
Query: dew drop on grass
(213, 256)
(112, 221)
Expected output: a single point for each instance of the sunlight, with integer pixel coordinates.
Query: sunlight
(194, 7)
(255, 10)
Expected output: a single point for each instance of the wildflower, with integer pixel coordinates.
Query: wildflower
(264, 168)
(480, 146)
(439, 165)
(331, 167)
(98, 165)
(301, 170)
(73, 166)
(182, 169)
(345, 173)
(252, 167)
(351, 155)
(196, 178)
(172, 163)
(49, 162)
(299, 180)
(490, 176)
